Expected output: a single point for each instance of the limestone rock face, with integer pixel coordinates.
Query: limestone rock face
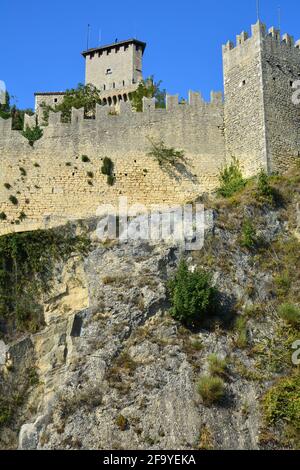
(115, 371)
(122, 359)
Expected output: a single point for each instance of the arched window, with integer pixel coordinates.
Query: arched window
(109, 101)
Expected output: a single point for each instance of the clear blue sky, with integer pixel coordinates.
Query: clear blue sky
(41, 41)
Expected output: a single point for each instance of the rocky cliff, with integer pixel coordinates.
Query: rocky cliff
(109, 368)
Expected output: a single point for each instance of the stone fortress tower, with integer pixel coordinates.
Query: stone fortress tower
(115, 69)
(262, 124)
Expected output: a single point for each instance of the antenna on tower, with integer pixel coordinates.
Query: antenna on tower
(258, 9)
(88, 36)
(279, 17)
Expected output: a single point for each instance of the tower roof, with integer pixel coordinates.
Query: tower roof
(113, 45)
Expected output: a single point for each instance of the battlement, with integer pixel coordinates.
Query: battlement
(259, 31)
(108, 116)
(51, 181)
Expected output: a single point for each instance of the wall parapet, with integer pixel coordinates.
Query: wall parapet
(259, 30)
(105, 115)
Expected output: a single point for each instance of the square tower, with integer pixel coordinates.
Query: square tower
(115, 67)
(262, 124)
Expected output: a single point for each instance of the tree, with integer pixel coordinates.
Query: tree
(148, 89)
(84, 96)
(231, 179)
(7, 111)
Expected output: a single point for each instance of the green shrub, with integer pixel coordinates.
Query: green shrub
(32, 134)
(242, 332)
(191, 294)
(110, 180)
(68, 164)
(231, 179)
(7, 185)
(248, 238)
(3, 216)
(107, 169)
(36, 165)
(290, 313)
(165, 155)
(122, 422)
(23, 171)
(13, 200)
(211, 389)
(85, 159)
(217, 366)
(5, 412)
(263, 186)
(283, 283)
(90, 174)
(281, 404)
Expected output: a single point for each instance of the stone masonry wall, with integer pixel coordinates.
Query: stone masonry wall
(281, 67)
(244, 110)
(52, 183)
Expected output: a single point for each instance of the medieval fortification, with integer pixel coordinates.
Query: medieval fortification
(258, 123)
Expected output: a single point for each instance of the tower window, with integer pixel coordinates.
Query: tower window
(55, 100)
(244, 82)
(123, 82)
(104, 87)
(108, 72)
(291, 83)
(114, 85)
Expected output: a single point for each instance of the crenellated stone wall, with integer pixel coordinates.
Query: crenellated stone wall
(53, 184)
(259, 124)
(262, 124)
